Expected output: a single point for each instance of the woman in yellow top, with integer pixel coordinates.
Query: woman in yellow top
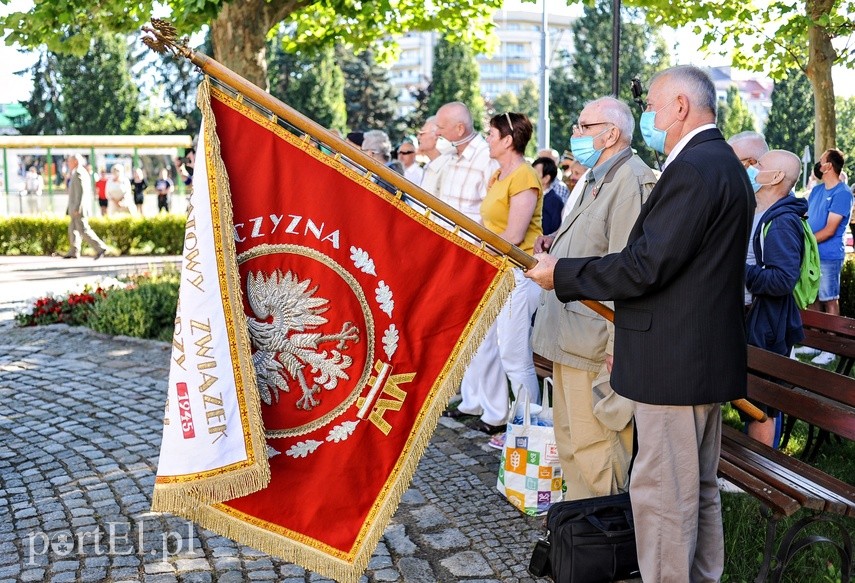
(512, 209)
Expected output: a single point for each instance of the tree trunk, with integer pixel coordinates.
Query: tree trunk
(821, 57)
(239, 34)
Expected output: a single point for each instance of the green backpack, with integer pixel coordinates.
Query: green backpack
(807, 286)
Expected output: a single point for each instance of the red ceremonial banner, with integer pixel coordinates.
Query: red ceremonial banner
(362, 315)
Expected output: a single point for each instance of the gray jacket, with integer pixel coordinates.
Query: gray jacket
(79, 192)
(572, 334)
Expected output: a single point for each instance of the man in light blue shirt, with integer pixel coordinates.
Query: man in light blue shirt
(829, 208)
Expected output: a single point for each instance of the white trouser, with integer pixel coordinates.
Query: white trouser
(504, 354)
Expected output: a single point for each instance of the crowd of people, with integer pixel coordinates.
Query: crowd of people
(116, 191)
(697, 259)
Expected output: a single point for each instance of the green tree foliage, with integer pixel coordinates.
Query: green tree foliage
(411, 122)
(735, 117)
(564, 102)
(642, 53)
(455, 77)
(309, 81)
(98, 95)
(156, 120)
(43, 106)
(846, 134)
(529, 104)
(782, 36)
(370, 100)
(506, 101)
(175, 79)
(791, 123)
(239, 28)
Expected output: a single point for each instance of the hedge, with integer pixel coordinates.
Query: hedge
(162, 234)
(847, 288)
(145, 310)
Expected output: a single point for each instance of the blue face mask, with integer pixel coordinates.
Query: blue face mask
(653, 136)
(583, 150)
(752, 177)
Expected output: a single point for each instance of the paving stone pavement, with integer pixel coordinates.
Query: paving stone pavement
(80, 428)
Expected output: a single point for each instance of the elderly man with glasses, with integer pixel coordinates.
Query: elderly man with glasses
(593, 425)
(407, 157)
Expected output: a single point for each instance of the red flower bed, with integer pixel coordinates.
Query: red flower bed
(74, 309)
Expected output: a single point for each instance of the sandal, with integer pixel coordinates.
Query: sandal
(498, 441)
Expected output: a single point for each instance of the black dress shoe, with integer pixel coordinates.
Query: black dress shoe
(100, 254)
(70, 257)
(487, 428)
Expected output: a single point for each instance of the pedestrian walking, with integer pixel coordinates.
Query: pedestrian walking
(79, 201)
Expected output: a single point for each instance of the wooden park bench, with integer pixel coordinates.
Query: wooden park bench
(542, 366)
(782, 484)
(836, 335)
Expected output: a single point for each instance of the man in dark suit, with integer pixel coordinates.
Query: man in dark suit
(680, 346)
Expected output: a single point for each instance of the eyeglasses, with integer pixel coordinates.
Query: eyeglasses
(407, 153)
(565, 168)
(581, 128)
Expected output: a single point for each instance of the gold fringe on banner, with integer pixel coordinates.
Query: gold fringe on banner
(183, 496)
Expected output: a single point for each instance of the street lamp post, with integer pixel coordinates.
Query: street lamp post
(543, 114)
(615, 45)
(806, 163)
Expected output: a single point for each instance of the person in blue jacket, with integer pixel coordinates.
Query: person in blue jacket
(773, 321)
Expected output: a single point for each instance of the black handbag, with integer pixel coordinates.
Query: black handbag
(588, 541)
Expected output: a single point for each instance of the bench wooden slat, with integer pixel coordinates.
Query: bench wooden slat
(838, 345)
(806, 496)
(840, 325)
(778, 502)
(789, 475)
(542, 366)
(816, 409)
(813, 379)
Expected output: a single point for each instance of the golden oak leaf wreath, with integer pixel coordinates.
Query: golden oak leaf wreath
(287, 342)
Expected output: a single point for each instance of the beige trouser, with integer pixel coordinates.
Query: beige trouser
(594, 458)
(674, 493)
(79, 227)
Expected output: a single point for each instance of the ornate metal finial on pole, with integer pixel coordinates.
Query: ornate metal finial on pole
(164, 38)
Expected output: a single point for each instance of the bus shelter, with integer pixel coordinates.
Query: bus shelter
(99, 150)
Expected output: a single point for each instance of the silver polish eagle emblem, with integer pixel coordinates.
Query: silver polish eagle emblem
(288, 342)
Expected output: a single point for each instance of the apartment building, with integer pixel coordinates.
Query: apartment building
(516, 60)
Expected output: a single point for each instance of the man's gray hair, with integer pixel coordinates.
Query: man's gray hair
(377, 141)
(81, 159)
(748, 145)
(749, 135)
(618, 113)
(695, 82)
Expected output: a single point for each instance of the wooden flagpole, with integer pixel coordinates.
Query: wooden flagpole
(165, 39)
